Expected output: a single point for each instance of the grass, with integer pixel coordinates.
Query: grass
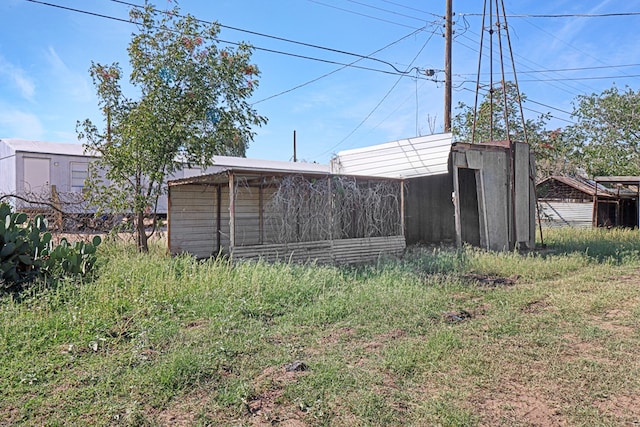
(550, 338)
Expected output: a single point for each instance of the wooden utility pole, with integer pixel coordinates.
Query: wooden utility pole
(448, 35)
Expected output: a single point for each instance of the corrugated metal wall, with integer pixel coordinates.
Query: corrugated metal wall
(565, 214)
(193, 219)
(339, 251)
(249, 229)
(429, 216)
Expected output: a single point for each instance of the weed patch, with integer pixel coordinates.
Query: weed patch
(441, 337)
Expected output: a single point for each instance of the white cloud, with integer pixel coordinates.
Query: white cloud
(19, 124)
(17, 78)
(574, 27)
(72, 82)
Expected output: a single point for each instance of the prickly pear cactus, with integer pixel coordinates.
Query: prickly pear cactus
(27, 251)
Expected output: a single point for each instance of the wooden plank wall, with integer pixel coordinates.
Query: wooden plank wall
(343, 251)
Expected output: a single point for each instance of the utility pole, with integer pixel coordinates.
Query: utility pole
(448, 35)
(295, 156)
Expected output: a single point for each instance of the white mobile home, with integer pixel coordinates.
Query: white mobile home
(33, 167)
(29, 169)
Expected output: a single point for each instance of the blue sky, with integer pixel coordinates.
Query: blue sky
(45, 53)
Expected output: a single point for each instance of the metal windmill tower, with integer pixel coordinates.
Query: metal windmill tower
(494, 25)
(494, 191)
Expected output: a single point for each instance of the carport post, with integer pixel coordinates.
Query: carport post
(402, 225)
(232, 212)
(595, 205)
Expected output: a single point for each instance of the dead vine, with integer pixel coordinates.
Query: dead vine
(339, 207)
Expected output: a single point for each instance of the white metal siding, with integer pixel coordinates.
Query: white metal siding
(7, 168)
(79, 174)
(566, 214)
(406, 158)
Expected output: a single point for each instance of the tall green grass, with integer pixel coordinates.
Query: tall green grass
(151, 332)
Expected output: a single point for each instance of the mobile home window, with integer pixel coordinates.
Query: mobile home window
(79, 173)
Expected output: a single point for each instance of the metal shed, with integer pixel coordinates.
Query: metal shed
(578, 202)
(286, 211)
(494, 194)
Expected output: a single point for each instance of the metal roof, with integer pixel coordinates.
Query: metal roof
(624, 180)
(221, 163)
(589, 187)
(239, 165)
(579, 184)
(405, 158)
(221, 174)
(42, 147)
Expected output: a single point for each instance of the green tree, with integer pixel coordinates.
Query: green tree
(490, 123)
(607, 131)
(552, 148)
(191, 104)
(557, 154)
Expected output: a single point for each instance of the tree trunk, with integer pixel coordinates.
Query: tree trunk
(141, 235)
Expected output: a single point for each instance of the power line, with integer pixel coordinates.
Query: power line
(315, 46)
(113, 18)
(361, 14)
(548, 106)
(412, 8)
(379, 103)
(571, 91)
(385, 10)
(623, 76)
(336, 70)
(99, 15)
(562, 15)
(562, 79)
(566, 43)
(550, 115)
(562, 70)
(542, 105)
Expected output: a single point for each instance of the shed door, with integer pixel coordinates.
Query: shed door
(37, 175)
(469, 210)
